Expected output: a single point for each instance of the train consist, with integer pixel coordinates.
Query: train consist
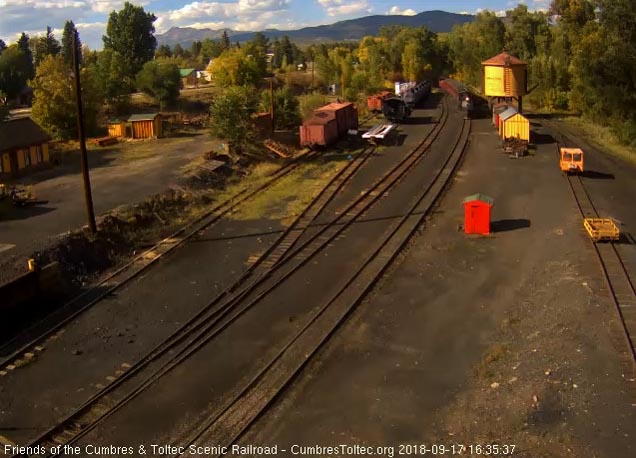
(459, 92)
(328, 123)
(398, 108)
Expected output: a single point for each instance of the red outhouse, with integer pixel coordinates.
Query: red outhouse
(477, 214)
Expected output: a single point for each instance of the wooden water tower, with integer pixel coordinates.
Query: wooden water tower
(504, 77)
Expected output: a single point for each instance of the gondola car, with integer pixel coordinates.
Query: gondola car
(399, 108)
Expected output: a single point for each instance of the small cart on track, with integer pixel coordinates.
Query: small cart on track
(601, 229)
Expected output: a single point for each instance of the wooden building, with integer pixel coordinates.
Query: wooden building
(116, 128)
(146, 125)
(188, 76)
(24, 146)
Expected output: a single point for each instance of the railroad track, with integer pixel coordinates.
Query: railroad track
(617, 279)
(278, 248)
(227, 427)
(219, 315)
(615, 274)
(131, 270)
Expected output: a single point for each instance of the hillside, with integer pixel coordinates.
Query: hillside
(353, 29)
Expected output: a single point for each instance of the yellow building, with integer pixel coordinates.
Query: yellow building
(504, 77)
(514, 125)
(24, 146)
(146, 125)
(117, 128)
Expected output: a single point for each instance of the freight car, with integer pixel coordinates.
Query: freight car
(415, 94)
(374, 102)
(459, 92)
(328, 123)
(395, 110)
(399, 108)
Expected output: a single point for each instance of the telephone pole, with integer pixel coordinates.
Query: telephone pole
(271, 102)
(88, 197)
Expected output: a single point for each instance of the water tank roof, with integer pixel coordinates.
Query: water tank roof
(503, 59)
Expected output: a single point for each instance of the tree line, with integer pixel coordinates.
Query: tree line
(581, 56)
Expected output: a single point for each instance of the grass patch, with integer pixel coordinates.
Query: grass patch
(286, 199)
(131, 151)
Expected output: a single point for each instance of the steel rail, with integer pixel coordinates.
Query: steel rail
(326, 194)
(615, 275)
(69, 430)
(251, 402)
(137, 265)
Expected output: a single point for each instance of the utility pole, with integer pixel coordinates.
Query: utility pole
(271, 102)
(88, 197)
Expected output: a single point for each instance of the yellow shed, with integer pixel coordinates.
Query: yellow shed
(117, 128)
(146, 125)
(514, 125)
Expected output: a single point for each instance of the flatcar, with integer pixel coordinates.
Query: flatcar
(459, 92)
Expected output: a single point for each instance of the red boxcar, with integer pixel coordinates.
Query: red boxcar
(345, 113)
(374, 102)
(321, 129)
(328, 124)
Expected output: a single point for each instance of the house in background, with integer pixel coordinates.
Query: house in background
(204, 75)
(188, 76)
(24, 147)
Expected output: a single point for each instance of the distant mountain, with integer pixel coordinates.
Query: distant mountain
(353, 29)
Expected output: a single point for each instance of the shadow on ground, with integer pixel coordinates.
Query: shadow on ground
(504, 225)
(597, 175)
(9, 212)
(542, 139)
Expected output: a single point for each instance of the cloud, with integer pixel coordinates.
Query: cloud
(344, 7)
(238, 15)
(500, 13)
(107, 6)
(395, 10)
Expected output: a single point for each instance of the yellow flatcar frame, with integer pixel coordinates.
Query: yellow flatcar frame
(601, 229)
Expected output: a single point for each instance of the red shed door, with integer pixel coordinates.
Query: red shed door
(477, 218)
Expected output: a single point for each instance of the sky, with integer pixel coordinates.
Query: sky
(91, 16)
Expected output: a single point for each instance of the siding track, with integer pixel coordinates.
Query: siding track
(264, 277)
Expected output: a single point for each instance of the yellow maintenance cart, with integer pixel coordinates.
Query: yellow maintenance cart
(601, 229)
(571, 160)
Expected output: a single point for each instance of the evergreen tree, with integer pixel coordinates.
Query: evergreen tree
(46, 46)
(177, 50)
(67, 43)
(163, 51)
(225, 40)
(196, 48)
